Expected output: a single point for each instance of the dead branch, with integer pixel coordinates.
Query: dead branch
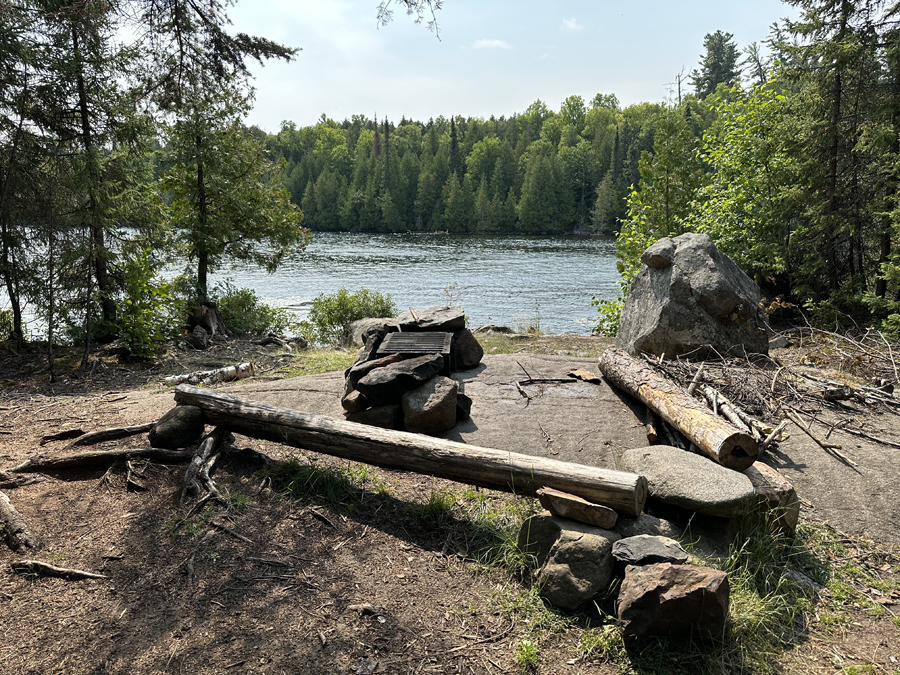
(190, 486)
(832, 448)
(16, 533)
(236, 535)
(776, 432)
(47, 570)
(36, 465)
(717, 401)
(696, 381)
(226, 374)
(112, 434)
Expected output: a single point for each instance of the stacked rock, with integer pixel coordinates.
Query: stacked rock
(406, 390)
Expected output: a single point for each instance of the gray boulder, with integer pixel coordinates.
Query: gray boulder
(386, 385)
(466, 350)
(691, 481)
(672, 600)
(689, 298)
(436, 318)
(360, 329)
(431, 408)
(645, 549)
(179, 427)
(578, 567)
(574, 560)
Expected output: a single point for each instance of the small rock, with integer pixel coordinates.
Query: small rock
(691, 481)
(779, 342)
(354, 402)
(198, 338)
(573, 507)
(465, 349)
(384, 416)
(431, 408)
(436, 318)
(645, 549)
(179, 427)
(386, 385)
(463, 407)
(493, 328)
(672, 600)
(629, 526)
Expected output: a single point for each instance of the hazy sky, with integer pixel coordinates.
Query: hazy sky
(494, 57)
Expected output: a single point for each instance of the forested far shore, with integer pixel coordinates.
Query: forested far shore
(538, 172)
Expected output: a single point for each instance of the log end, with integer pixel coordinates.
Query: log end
(738, 451)
(641, 490)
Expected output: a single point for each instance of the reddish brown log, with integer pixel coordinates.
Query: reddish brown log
(711, 434)
(470, 464)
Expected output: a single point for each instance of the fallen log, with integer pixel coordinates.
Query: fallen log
(714, 436)
(486, 467)
(16, 533)
(226, 374)
(36, 464)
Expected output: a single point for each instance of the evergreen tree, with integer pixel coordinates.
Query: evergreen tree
(719, 64)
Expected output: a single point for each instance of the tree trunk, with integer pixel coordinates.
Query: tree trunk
(714, 436)
(494, 469)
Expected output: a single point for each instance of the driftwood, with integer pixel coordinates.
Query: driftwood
(16, 533)
(37, 464)
(47, 570)
(495, 469)
(226, 374)
(190, 485)
(575, 508)
(714, 437)
(112, 434)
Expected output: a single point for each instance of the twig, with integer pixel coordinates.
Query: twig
(48, 570)
(692, 387)
(772, 436)
(236, 535)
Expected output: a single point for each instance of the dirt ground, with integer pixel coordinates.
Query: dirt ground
(382, 580)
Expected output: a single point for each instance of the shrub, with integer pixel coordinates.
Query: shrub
(331, 315)
(246, 314)
(145, 306)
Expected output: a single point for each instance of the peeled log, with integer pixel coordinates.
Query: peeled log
(714, 436)
(470, 464)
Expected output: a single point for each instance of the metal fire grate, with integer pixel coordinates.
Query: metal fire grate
(415, 344)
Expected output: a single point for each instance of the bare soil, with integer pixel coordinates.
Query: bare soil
(386, 580)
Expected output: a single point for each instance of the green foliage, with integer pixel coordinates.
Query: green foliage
(330, 316)
(527, 657)
(146, 307)
(6, 323)
(610, 310)
(246, 314)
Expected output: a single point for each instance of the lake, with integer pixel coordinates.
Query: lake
(515, 281)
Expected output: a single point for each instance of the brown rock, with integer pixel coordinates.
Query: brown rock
(575, 508)
(665, 599)
(354, 402)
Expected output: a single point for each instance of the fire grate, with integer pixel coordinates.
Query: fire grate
(417, 344)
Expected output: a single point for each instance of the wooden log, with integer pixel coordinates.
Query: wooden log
(486, 467)
(36, 464)
(112, 434)
(575, 508)
(225, 374)
(43, 569)
(715, 437)
(16, 533)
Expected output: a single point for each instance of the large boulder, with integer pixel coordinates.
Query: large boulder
(690, 481)
(689, 297)
(672, 600)
(431, 408)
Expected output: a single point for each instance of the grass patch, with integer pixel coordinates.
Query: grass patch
(527, 657)
(344, 486)
(314, 361)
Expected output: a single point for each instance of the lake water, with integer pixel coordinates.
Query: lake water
(514, 281)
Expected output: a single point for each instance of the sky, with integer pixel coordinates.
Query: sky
(494, 57)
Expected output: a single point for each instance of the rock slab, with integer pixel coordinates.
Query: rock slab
(690, 481)
(439, 318)
(573, 507)
(645, 549)
(691, 298)
(672, 600)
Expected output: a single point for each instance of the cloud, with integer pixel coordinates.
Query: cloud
(572, 24)
(490, 44)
